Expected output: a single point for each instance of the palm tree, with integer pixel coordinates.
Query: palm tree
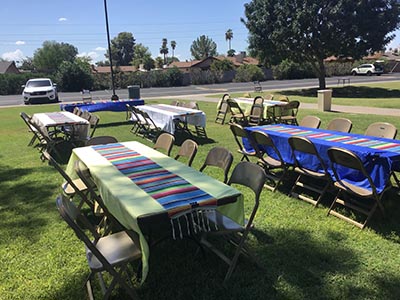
(164, 49)
(173, 46)
(229, 37)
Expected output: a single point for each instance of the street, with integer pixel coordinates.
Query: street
(148, 93)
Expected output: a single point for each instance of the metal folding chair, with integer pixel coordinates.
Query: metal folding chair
(219, 157)
(382, 129)
(239, 133)
(188, 149)
(165, 141)
(340, 124)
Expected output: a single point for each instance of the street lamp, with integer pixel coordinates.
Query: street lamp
(114, 97)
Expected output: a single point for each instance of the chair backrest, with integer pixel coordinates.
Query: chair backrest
(27, 119)
(238, 133)
(340, 124)
(165, 141)
(310, 121)
(348, 159)
(85, 115)
(192, 105)
(101, 140)
(283, 98)
(188, 149)
(258, 100)
(94, 121)
(76, 111)
(175, 103)
(269, 97)
(219, 157)
(256, 114)
(382, 129)
(238, 115)
(290, 109)
(225, 97)
(252, 176)
(260, 138)
(304, 145)
(68, 179)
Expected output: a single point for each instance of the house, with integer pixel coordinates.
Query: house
(8, 67)
(205, 64)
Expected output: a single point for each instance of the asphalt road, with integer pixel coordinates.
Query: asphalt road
(147, 93)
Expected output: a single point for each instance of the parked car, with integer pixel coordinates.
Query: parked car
(40, 90)
(367, 69)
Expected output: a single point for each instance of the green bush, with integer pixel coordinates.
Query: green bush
(10, 84)
(175, 77)
(203, 77)
(290, 70)
(246, 73)
(73, 77)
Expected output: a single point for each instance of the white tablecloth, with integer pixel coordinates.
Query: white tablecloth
(70, 121)
(163, 116)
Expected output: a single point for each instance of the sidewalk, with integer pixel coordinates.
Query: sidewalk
(335, 108)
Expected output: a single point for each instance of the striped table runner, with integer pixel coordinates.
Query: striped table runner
(174, 193)
(59, 117)
(341, 138)
(174, 109)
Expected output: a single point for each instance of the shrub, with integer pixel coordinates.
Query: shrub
(73, 77)
(290, 70)
(246, 73)
(10, 84)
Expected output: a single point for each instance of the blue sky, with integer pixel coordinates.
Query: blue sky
(24, 25)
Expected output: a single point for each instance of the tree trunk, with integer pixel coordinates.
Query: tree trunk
(321, 75)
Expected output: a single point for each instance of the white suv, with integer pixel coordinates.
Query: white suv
(40, 90)
(367, 69)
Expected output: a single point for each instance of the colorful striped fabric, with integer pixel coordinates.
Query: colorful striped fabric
(174, 109)
(174, 193)
(338, 137)
(58, 117)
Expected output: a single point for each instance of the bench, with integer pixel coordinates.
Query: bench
(257, 86)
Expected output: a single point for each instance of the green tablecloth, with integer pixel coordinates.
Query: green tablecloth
(126, 201)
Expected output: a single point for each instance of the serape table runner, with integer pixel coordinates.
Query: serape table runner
(130, 203)
(103, 105)
(379, 155)
(164, 115)
(173, 192)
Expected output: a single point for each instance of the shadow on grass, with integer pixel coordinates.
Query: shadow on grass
(350, 92)
(24, 206)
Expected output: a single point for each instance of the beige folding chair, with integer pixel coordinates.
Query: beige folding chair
(256, 115)
(112, 253)
(251, 176)
(258, 100)
(188, 149)
(237, 114)
(70, 187)
(310, 121)
(219, 157)
(94, 121)
(165, 141)
(351, 195)
(192, 105)
(340, 124)
(139, 123)
(27, 118)
(76, 111)
(261, 141)
(223, 109)
(288, 113)
(239, 133)
(269, 97)
(150, 129)
(175, 103)
(301, 145)
(382, 129)
(101, 140)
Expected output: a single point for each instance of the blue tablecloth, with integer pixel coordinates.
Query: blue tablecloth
(379, 155)
(119, 105)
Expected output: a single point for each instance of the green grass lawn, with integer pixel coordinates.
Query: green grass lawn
(306, 254)
(385, 95)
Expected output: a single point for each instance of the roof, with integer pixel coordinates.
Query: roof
(8, 67)
(237, 61)
(106, 69)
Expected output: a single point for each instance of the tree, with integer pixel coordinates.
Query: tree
(231, 53)
(122, 49)
(75, 76)
(313, 30)
(164, 49)
(142, 57)
(173, 46)
(203, 47)
(52, 54)
(222, 65)
(229, 37)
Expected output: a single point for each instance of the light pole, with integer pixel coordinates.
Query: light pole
(114, 96)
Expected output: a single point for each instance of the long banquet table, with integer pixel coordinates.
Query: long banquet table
(118, 105)
(380, 156)
(164, 115)
(78, 126)
(140, 185)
